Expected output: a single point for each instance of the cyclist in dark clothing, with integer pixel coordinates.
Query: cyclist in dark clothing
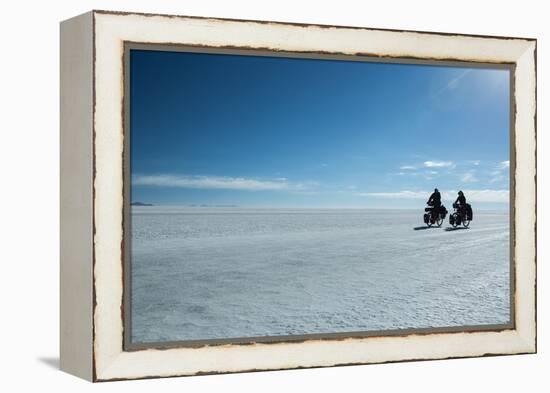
(461, 204)
(435, 202)
(461, 200)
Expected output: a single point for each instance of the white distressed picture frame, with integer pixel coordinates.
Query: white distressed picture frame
(92, 214)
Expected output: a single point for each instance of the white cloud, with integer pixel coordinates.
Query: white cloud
(397, 195)
(497, 178)
(474, 196)
(474, 162)
(499, 173)
(468, 177)
(438, 164)
(454, 83)
(216, 182)
(407, 168)
(499, 196)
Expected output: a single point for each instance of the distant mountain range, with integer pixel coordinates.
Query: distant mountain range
(193, 205)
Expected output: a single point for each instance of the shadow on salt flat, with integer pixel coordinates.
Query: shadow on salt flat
(449, 229)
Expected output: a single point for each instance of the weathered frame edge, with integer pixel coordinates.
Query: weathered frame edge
(76, 196)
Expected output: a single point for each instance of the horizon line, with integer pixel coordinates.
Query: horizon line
(229, 206)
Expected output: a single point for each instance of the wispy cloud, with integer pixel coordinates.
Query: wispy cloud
(468, 177)
(397, 195)
(474, 162)
(498, 174)
(476, 196)
(453, 83)
(218, 182)
(497, 178)
(407, 168)
(499, 196)
(438, 164)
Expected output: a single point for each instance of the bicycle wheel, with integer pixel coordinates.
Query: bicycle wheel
(454, 221)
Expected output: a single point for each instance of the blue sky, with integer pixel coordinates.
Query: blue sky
(277, 132)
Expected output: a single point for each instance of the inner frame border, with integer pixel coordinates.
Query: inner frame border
(246, 51)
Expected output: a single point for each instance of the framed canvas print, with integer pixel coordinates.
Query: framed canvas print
(245, 195)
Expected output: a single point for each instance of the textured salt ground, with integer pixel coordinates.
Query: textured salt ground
(222, 273)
